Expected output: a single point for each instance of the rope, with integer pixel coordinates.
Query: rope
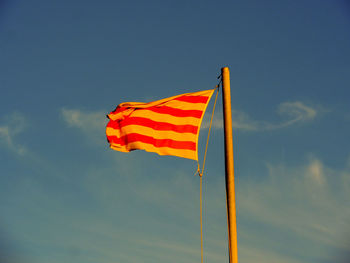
(211, 122)
(201, 214)
(200, 173)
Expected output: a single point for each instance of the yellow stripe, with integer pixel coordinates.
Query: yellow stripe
(160, 150)
(157, 102)
(182, 105)
(113, 132)
(152, 133)
(160, 117)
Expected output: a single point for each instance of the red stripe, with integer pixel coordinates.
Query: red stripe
(114, 124)
(193, 99)
(176, 112)
(135, 137)
(159, 126)
(118, 109)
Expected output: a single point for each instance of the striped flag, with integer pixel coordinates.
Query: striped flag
(168, 127)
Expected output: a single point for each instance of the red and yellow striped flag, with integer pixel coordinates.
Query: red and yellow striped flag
(168, 127)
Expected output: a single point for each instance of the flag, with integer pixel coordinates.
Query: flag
(168, 127)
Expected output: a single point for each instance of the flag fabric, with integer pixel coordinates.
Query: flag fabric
(168, 127)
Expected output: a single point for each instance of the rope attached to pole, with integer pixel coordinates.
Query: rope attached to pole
(200, 173)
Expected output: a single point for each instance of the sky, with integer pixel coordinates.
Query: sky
(65, 196)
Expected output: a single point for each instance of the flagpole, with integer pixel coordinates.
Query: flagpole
(229, 172)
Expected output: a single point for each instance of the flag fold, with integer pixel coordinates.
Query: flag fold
(168, 126)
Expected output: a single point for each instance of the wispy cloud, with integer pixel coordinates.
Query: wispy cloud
(306, 204)
(252, 254)
(105, 226)
(92, 123)
(309, 202)
(294, 112)
(84, 119)
(12, 125)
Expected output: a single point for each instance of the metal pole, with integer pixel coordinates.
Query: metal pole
(230, 183)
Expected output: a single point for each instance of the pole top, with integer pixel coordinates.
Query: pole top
(225, 69)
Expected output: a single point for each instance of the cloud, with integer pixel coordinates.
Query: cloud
(295, 112)
(294, 214)
(12, 125)
(298, 213)
(250, 254)
(86, 120)
(110, 217)
(91, 123)
(309, 203)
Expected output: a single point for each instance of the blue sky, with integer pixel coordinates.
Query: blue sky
(66, 197)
